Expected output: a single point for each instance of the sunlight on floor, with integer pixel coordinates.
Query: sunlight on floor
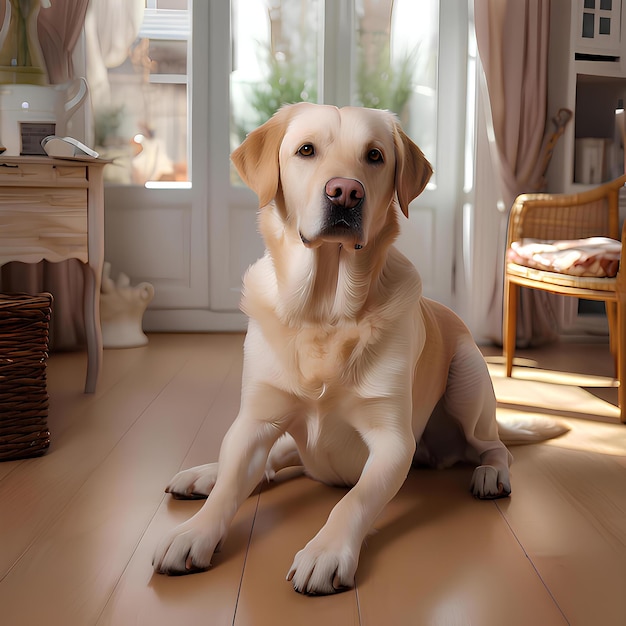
(584, 435)
(545, 394)
(526, 369)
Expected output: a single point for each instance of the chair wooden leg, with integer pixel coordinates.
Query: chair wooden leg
(611, 315)
(620, 340)
(509, 323)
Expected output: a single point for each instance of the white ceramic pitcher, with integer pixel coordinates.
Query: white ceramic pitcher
(39, 104)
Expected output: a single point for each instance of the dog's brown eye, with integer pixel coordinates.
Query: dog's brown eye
(306, 150)
(375, 156)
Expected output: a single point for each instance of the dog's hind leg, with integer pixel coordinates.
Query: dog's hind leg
(197, 482)
(470, 400)
(284, 454)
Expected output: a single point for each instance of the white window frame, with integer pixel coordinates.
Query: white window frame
(338, 19)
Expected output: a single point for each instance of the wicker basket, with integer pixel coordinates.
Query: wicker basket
(24, 321)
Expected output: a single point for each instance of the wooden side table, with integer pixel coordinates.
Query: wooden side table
(53, 209)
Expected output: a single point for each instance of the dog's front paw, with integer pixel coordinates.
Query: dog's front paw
(186, 549)
(194, 483)
(319, 569)
(489, 483)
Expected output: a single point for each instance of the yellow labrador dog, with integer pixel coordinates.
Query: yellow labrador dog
(346, 364)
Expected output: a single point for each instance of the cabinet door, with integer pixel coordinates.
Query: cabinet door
(599, 27)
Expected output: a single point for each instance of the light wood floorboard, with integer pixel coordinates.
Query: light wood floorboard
(78, 526)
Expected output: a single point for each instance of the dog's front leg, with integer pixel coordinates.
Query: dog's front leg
(189, 547)
(197, 482)
(328, 562)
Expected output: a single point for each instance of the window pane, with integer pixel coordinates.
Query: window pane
(139, 84)
(396, 53)
(275, 59)
(605, 26)
(588, 25)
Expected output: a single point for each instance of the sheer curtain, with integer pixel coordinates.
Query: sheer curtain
(111, 26)
(59, 28)
(512, 40)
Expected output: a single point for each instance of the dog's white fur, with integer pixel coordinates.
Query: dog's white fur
(346, 364)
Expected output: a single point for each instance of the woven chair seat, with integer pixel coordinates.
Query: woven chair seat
(557, 279)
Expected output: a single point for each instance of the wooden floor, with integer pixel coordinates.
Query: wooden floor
(78, 526)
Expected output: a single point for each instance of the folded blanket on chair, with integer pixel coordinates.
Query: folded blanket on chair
(594, 256)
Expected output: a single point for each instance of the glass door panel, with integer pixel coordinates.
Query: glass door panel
(275, 53)
(138, 73)
(280, 54)
(396, 63)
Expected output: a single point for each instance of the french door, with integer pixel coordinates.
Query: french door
(248, 57)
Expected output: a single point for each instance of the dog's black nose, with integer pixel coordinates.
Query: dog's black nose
(345, 192)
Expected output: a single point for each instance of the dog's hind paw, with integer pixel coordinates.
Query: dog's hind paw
(488, 483)
(194, 483)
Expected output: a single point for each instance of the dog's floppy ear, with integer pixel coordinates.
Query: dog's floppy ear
(256, 159)
(413, 170)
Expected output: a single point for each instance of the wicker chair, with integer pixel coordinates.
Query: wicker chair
(550, 217)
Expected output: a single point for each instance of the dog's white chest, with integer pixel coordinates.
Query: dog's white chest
(327, 355)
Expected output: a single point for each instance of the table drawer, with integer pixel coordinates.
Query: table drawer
(36, 174)
(45, 223)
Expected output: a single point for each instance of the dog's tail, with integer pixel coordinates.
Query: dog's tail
(520, 429)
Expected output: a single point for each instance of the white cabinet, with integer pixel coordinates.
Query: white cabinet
(598, 27)
(587, 74)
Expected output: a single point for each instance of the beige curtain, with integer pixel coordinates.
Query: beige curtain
(59, 27)
(513, 45)
(513, 39)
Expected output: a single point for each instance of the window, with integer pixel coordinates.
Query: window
(138, 71)
(397, 63)
(275, 61)
(284, 51)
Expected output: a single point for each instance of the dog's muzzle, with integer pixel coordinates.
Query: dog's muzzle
(343, 212)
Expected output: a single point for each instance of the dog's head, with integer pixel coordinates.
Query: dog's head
(334, 173)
